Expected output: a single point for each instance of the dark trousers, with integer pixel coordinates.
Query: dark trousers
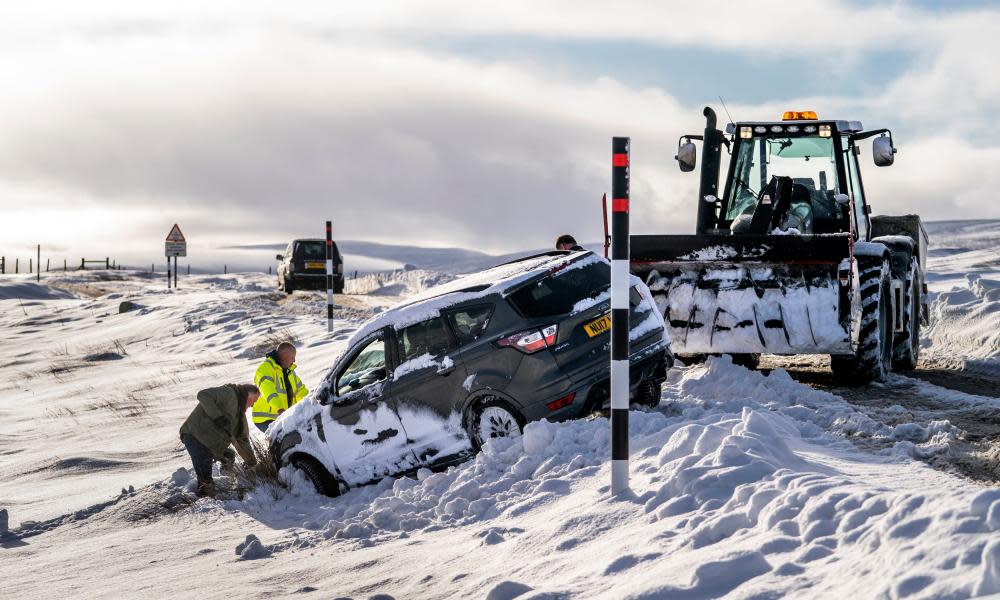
(263, 426)
(200, 456)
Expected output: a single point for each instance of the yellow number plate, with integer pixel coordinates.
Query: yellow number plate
(315, 265)
(595, 328)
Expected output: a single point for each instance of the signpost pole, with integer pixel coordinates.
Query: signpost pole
(329, 276)
(175, 272)
(619, 313)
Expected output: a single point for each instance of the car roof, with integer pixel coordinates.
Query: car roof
(500, 279)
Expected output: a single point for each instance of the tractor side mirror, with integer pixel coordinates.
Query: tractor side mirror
(687, 156)
(842, 199)
(279, 257)
(883, 152)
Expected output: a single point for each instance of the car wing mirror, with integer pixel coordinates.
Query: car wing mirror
(687, 155)
(883, 152)
(279, 257)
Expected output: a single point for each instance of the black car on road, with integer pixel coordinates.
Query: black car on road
(303, 267)
(429, 381)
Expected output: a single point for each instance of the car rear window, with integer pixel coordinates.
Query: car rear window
(314, 251)
(469, 323)
(556, 294)
(428, 337)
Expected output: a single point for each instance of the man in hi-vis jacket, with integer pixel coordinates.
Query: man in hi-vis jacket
(280, 387)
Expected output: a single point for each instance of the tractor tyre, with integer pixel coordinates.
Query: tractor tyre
(873, 359)
(906, 349)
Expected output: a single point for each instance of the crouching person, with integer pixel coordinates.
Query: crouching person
(217, 421)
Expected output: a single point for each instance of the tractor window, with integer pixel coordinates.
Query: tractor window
(809, 160)
(857, 191)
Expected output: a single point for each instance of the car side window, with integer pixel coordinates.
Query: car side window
(367, 367)
(426, 337)
(469, 323)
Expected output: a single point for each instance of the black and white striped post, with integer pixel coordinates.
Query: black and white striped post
(619, 313)
(329, 276)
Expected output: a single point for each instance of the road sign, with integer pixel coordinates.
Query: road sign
(176, 244)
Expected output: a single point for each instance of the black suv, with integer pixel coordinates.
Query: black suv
(303, 267)
(429, 381)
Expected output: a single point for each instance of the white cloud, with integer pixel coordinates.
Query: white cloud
(256, 124)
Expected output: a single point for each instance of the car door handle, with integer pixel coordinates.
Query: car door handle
(445, 371)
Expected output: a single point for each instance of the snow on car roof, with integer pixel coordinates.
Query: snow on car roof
(498, 279)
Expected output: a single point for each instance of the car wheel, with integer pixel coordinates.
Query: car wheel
(492, 418)
(316, 473)
(288, 287)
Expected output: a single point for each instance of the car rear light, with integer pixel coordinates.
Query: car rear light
(531, 341)
(561, 402)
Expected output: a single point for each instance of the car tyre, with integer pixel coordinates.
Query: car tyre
(492, 417)
(316, 473)
(873, 358)
(288, 287)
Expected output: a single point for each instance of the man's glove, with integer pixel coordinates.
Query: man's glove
(228, 457)
(222, 423)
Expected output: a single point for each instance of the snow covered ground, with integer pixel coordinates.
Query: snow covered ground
(746, 484)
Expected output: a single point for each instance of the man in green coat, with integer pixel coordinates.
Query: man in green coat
(217, 421)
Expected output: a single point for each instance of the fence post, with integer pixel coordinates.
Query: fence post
(3, 265)
(107, 263)
(329, 276)
(31, 268)
(64, 265)
(83, 264)
(619, 313)
(38, 274)
(225, 269)
(47, 261)
(17, 265)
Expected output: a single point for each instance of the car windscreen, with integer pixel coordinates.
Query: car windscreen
(313, 251)
(557, 293)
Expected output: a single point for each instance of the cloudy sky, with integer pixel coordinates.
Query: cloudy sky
(446, 123)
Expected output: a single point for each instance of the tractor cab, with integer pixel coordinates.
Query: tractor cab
(798, 175)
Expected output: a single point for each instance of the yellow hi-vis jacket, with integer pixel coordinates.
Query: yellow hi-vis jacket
(273, 393)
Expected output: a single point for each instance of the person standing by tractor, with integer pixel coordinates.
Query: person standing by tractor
(217, 422)
(280, 387)
(567, 242)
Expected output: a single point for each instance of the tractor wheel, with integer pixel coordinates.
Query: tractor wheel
(873, 358)
(906, 349)
(648, 393)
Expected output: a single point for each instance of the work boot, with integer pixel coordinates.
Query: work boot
(206, 487)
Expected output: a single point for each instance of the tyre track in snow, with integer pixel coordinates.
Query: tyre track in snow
(970, 401)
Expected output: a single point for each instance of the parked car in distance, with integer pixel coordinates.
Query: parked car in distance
(303, 267)
(427, 382)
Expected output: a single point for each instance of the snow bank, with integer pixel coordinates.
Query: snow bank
(965, 326)
(25, 290)
(742, 481)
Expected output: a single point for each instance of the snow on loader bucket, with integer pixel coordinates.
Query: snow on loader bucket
(774, 294)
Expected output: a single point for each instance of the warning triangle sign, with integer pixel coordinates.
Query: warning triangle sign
(175, 235)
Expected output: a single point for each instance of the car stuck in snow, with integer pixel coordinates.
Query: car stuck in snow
(429, 381)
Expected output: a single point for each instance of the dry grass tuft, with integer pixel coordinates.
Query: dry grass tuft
(131, 405)
(271, 341)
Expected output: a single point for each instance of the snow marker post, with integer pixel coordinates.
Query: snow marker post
(329, 276)
(620, 279)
